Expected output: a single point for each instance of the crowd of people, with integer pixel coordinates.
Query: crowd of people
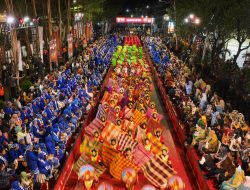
(34, 129)
(127, 131)
(220, 135)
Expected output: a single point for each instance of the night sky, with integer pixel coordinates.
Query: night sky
(138, 7)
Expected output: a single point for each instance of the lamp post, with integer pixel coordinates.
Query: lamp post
(175, 19)
(166, 18)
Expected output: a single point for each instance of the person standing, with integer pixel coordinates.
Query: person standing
(1, 92)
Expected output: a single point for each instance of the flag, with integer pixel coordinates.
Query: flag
(157, 171)
(141, 155)
(95, 125)
(124, 141)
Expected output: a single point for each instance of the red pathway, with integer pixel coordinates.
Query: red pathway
(176, 155)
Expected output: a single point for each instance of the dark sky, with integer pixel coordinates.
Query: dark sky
(138, 7)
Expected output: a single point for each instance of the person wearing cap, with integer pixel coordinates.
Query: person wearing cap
(31, 159)
(13, 153)
(44, 166)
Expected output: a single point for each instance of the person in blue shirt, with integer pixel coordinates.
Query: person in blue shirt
(31, 159)
(50, 145)
(13, 152)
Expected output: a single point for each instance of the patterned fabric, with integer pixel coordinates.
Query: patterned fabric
(105, 97)
(128, 125)
(111, 116)
(153, 125)
(127, 113)
(101, 112)
(111, 131)
(157, 146)
(95, 125)
(139, 117)
(108, 154)
(157, 172)
(150, 114)
(89, 144)
(119, 164)
(124, 141)
(141, 155)
(83, 160)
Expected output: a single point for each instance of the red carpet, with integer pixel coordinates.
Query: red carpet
(176, 155)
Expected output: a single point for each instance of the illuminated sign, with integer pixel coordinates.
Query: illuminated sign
(134, 20)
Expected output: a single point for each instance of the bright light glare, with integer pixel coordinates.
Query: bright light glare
(10, 19)
(131, 15)
(26, 19)
(127, 10)
(197, 21)
(31, 23)
(142, 16)
(191, 16)
(186, 20)
(147, 6)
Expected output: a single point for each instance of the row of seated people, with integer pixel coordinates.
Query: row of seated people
(220, 137)
(33, 137)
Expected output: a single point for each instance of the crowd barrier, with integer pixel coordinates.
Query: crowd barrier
(179, 129)
(75, 150)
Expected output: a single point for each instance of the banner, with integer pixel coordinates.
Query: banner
(56, 35)
(19, 54)
(53, 51)
(134, 20)
(88, 31)
(40, 35)
(70, 45)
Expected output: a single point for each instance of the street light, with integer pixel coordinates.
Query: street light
(131, 15)
(191, 16)
(10, 20)
(142, 16)
(166, 17)
(74, 1)
(147, 7)
(197, 21)
(127, 10)
(186, 20)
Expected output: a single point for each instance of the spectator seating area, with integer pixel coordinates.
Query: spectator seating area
(35, 135)
(215, 137)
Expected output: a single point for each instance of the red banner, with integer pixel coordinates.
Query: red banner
(53, 51)
(134, 20)
(88, 31)
(70, 45)
(56, 35)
